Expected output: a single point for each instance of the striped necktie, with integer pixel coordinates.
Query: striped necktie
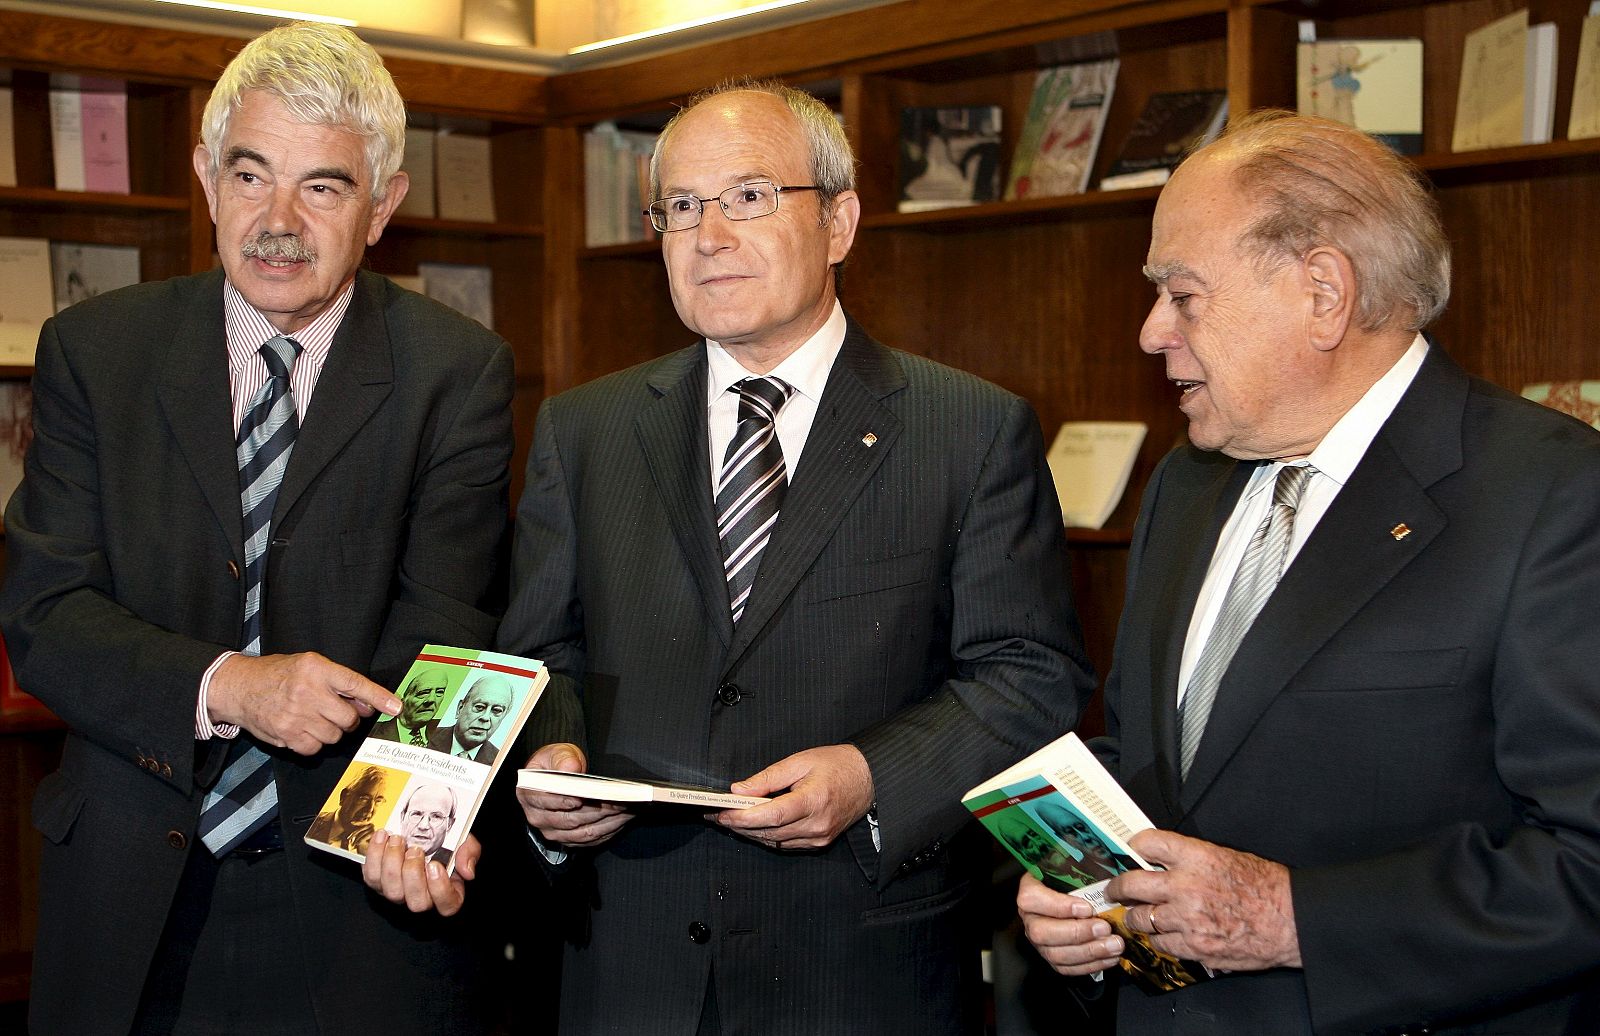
(751, 486)
(1253, 582)
(246, 797)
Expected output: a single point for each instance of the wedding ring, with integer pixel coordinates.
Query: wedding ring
(1155, 929)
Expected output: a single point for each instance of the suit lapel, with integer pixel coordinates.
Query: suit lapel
(672, 435)
(357, 378)
(196, 399)
(1348, 559)
(852, 433)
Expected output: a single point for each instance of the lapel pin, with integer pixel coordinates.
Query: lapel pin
(868, 439)
(1401, 531)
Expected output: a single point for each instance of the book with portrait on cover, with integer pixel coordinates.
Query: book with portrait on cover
(423, 774)
(1068, 822)
(614, 789)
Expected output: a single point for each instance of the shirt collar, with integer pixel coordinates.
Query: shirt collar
(248, 328)
(805, 370)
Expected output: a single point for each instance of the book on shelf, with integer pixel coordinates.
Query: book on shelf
(429, 792)
(1580, 399)
(463, 177)
(469, 290)
(949, 157)
(1068, 822)
(82, 271)
(1584, 121)
(616, 185)
(1507, 93)
(1059, 140)
(8, 139)
(16, 432)
(418, 165)
(1372, 84)
(1091, 462)
(1170, 126)
(89, 134)
(25, 297)
(614, 789)
(410, 282)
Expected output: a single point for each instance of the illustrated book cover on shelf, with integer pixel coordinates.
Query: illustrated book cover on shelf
(463, 177)
(1584, 121)
(1580, 399)
(422, 775)
(1091, 462)
(1068, 822)
(469, 290)
(1066, 116)
(1170, 126)
(613, 789)
(1507, 92)
(949, 157)
(1372, 84)
(25, 296)
(82, 271)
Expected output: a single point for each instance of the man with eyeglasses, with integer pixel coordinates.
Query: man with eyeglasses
(858, 613)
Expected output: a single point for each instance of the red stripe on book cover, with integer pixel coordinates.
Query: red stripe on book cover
(473, 663)
(996, 807)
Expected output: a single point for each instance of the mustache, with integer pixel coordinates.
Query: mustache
(279, 248)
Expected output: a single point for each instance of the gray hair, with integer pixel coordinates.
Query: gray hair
(833, 164)
(325, 75)
(1321, 182)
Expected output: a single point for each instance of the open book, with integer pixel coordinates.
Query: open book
(614, 789)
(423, 774)
(1068, 822)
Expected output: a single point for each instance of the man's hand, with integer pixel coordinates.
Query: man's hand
(300, 702)
(819, 793)
(562, 819)
(402, 874)
(1228, 910)
(1065, 930)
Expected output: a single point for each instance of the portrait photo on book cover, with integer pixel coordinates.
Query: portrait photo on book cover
(428, 818)
(359, 805)
(471, 725)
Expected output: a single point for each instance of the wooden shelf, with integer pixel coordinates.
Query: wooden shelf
(1528, 161)
(628, 250)
(466, 228)
(15, 370)
(1088, 205)
(50, 198)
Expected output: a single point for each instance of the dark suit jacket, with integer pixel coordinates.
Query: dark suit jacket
(912, 600)
(124, 557)
(1412, 725)
(442, 739)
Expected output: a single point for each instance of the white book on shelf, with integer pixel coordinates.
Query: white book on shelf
(1091, 462)
(469, 290)
(1539, 85)
(66, 135)
(463, 178)
(418, 165)
(25, 296)
(1490, 102)
(82, 271)
(1585, 119)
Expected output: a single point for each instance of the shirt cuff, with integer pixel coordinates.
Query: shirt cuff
(204, 729)
(554, 857)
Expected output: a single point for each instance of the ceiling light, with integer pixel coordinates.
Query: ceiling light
(696, 23)
(270, 12)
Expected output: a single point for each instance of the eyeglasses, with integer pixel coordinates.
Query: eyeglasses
(750, 200)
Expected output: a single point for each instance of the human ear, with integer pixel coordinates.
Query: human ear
(1330, 284)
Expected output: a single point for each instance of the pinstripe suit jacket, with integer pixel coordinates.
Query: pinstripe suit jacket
(912, 601)
(124, 548)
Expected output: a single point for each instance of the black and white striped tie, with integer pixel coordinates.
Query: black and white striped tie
(751, 487)
(246, 797)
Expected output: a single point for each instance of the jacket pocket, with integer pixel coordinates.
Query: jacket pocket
(1382, 670)
(867, 577)
(56, 805)
(919, 909)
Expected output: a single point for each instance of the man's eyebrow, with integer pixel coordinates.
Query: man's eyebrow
(670, 190)
(239, 153)
(1161, 273)
(331, 172)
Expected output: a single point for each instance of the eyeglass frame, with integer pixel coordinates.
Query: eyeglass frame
(777, 189)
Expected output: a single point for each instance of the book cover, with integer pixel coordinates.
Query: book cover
(1068, 822)
(1372, 84)
(16, 433)
(1580, 399)
(103, 104)
(82, 271)
(427, 786)
(1584, 121)
(1066, 116)
(418, 165)
(1091, 462)
(1539, 85)
(614, 789)
(469, 290)
(8, 139)
(25, 296)
(463, 180)
(1489, 103)
(616, 185)
(949, 157)
(1170, 126)
(66, 133)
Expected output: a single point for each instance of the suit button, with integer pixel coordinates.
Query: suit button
(699, 933)
(730, 694)
(166, 770)
(139, 760)
(177, 840)
(233, 568)
(154, 765)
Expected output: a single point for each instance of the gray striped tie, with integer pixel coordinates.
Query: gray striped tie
(1253, 583)
(246, 797)
(751, 487)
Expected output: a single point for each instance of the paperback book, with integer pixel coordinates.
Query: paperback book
(25, 296)
(1066, 116)
(1507, 92)
(423, 774)
(1091, 462)
(1171, 126)
(613, 789)
(949, 157)
(82, 271)
(1372, 84)
(1068, 822)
